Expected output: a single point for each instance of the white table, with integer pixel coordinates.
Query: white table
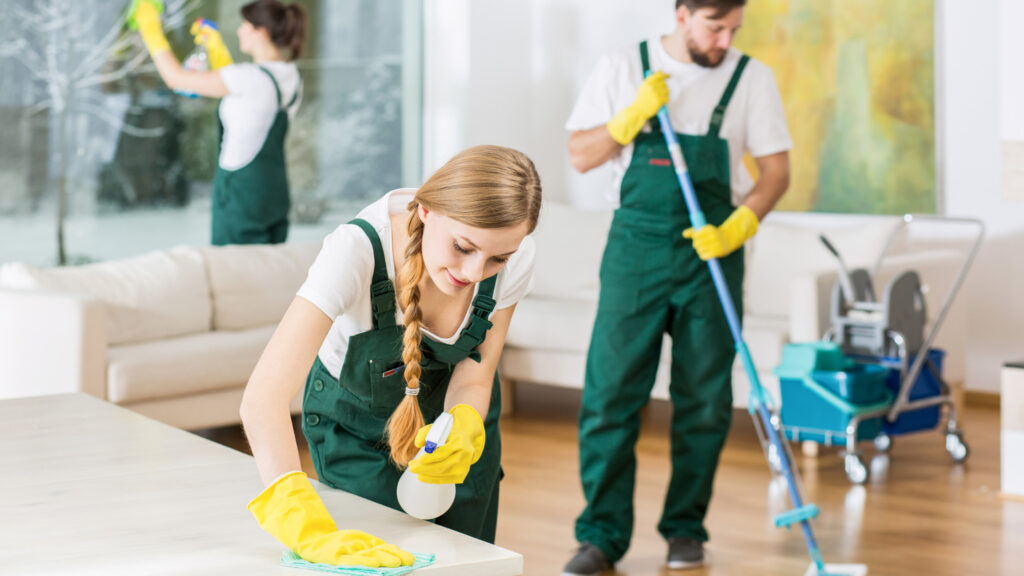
(89, 488)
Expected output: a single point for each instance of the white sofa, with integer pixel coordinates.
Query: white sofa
(789, 279)
(175, 334)
(171, 334)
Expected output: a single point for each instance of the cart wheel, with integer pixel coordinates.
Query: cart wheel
(883, 442)
(855, 469)
(956, 447)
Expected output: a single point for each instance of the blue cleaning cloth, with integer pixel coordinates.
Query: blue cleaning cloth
(291, 560)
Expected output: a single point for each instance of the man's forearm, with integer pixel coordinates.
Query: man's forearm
(770, 186)
(589, 149)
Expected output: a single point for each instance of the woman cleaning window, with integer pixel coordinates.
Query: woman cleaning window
(250, 190)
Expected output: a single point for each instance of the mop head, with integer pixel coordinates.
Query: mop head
(838, 570)
(291, 560)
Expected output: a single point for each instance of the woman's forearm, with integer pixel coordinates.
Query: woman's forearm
(476, 394)
(278, 377)
(169, 68)
(268, 426)
(207, 83)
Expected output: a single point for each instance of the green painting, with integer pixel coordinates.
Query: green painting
(857, 79)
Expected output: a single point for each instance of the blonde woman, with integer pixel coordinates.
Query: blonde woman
(403, 316)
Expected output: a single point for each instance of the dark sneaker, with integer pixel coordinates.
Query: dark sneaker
(588, 561)
(684, 553)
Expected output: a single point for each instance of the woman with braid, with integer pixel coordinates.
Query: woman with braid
(403, 315)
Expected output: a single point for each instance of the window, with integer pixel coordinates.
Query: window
(96, 146)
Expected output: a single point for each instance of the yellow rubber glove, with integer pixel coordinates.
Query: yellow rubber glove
(291, 511)
(652, 95)
(205, 33)
(720, 241)
(146, 17)
(450, 462)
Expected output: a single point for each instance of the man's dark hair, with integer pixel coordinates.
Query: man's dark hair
(720, 7)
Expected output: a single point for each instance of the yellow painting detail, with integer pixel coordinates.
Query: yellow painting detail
(857, 80)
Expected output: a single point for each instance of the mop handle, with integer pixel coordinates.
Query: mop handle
(698, 221)
(758, 404)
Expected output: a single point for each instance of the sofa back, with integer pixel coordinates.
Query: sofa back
(147, 297)
(787, 246)
(252, 286)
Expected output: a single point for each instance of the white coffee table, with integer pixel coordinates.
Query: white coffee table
(89, 488)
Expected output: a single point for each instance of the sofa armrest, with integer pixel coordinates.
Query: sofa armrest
(51, 343)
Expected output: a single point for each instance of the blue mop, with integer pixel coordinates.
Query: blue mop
(759, 397)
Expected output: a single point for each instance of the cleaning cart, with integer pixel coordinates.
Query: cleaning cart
(875, 375)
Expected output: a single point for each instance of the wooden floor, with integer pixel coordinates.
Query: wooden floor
(918, 514)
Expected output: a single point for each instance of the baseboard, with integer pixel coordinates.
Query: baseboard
(983, 399)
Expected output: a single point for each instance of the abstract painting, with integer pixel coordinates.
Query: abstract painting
(857, 81)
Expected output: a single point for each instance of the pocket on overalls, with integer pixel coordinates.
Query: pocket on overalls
(387, 389)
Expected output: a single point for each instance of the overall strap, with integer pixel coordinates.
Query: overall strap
(719, 113)
(277, 90)
(382, 290)
(645, 65)
(479, 323)
(295, 96)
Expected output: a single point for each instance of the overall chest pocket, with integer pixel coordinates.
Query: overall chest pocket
(387, 391)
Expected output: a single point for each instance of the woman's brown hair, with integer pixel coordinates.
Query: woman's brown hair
(284, 23)
(483, 187)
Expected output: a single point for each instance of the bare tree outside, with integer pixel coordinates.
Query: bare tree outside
(99, 159)
(71, 49)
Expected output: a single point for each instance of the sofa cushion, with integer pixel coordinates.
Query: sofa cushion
(185, 365)
(253, 285)
(783, 250)
(552, 324)
(570, 243)
(155, 295)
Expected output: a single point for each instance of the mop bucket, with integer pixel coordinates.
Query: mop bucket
(928, 384)
(823, 392)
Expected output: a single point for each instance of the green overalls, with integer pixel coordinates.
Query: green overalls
(652, 282)
(344, 419)
(250, 205)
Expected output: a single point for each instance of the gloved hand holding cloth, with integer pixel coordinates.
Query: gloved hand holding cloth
(450, 462)
(144, 16)
(291, 511)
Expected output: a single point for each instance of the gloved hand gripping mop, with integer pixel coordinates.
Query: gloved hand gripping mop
(759, 397)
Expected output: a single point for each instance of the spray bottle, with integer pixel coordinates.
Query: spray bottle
(420, 499)
(198, 60)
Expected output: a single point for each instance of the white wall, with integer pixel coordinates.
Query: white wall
(507, 73)
(979, 82)
(1011, 51)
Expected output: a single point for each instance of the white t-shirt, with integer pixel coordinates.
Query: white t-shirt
(339, 280)
(754, 120)
(248, 110)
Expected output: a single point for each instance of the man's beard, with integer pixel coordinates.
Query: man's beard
(710, 59)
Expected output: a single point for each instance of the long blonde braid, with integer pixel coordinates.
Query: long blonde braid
(484, 187)
(407, 418)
